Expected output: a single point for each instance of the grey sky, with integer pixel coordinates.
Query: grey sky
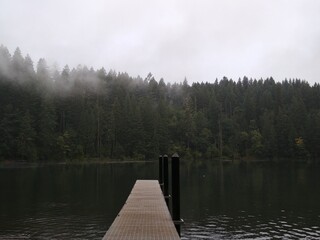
(198, 39)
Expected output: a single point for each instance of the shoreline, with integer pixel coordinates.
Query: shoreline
(26, 164)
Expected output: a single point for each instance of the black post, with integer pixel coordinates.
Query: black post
(176, 191)
(166, 179)
(161, 172)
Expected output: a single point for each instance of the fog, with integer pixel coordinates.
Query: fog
(199, 40)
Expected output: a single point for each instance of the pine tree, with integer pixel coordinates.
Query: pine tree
(26, 147)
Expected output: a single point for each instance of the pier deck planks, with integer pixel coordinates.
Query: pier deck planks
(145, 215)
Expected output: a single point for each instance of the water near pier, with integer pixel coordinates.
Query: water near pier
(219, 201)
(252, 201)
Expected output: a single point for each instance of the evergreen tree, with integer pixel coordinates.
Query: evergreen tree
(46, 139)
(81, 112)
(26, 148)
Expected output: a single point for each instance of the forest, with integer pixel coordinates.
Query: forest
(89, 114)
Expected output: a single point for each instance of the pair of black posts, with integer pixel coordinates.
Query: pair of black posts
(175, 186)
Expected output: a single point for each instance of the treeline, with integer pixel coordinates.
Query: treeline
(48, 115)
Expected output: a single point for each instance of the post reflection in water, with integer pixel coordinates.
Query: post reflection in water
(219, 200)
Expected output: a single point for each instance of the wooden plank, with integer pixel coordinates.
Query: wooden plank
(144, 215)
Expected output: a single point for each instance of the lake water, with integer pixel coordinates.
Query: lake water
(219, 201)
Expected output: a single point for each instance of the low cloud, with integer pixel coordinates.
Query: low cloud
(202, 40)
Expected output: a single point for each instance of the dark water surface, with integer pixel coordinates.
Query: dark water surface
(219, 201)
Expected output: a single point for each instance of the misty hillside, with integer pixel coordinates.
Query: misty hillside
(81, 113)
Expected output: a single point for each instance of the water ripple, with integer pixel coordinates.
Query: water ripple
(55, 227)
(249, 227)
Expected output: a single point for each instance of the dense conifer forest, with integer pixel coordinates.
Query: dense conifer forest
(82, 113)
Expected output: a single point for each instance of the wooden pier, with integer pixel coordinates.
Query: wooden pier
(145, 215)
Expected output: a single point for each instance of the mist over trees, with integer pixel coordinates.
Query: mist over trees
(51, 115)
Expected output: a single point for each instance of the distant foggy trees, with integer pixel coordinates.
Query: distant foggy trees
(48, 115)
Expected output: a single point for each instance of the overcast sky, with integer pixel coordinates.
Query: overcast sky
(198, 39)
